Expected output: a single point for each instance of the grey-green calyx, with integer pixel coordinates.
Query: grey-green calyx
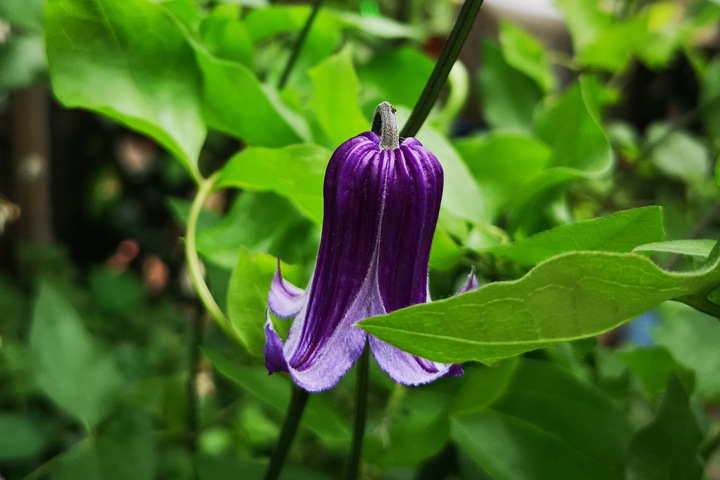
(385, 125)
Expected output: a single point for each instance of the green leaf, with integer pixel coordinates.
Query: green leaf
(545, 413)
(247, 296)
(571, 296)
(502, 163)
(580, 150)
(237, 104)
(321, 416)
(69, 366)
(482, 385)
(526, 54)
(678, 154)
(585, 19)
(654, 366)
(414, 432)
(227, 37)
(336, 96)
(100, 62)
(261, 222)
(692, 339)
(667, 448)
(400, 75)
(619, 232)
(377, 26)
(570, 126)
(508, 95)
(22, 438)
(614, 47)
(295, 172)
(274, 28)
(27, 14)
(445, 253)
(125, 448)
(693, 248)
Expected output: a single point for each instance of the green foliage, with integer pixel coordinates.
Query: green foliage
(69, 366)
(620, 232)
(301, 168)
(608, 208)
(99, 62)
(667, 448)
(570, 296)
(546, 412)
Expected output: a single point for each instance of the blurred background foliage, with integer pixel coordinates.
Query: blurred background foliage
(110, 369)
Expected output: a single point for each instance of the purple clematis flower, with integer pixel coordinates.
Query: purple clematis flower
(382, 198)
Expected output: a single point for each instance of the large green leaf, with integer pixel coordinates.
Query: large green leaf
(619, 232)
(539, 429)
(130, 62)
(236, 103)
(336, 98)
(667, 448)
(295, 172)
(570, 296)
(69, 366)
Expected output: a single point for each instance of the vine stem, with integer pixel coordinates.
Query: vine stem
(448, 56)
(352, 471)
(299, 42)
(192, 258)
(292, 420)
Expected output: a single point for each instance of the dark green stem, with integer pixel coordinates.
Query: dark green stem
(447, 59)
(352, 471)
(702, 304)
(292, 420)
(299, 42)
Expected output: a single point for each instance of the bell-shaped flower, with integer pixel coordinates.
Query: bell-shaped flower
(382, 198)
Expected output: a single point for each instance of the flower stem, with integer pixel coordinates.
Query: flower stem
(447, 59)
(292, 420)
(299, 42)
(352, 471)
(193, 259)
(385, 125)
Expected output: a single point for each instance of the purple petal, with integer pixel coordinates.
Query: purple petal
(274, 358)
(412, 203)
(406, 368)
(470, 284)
(285, 299)
(336, 353)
